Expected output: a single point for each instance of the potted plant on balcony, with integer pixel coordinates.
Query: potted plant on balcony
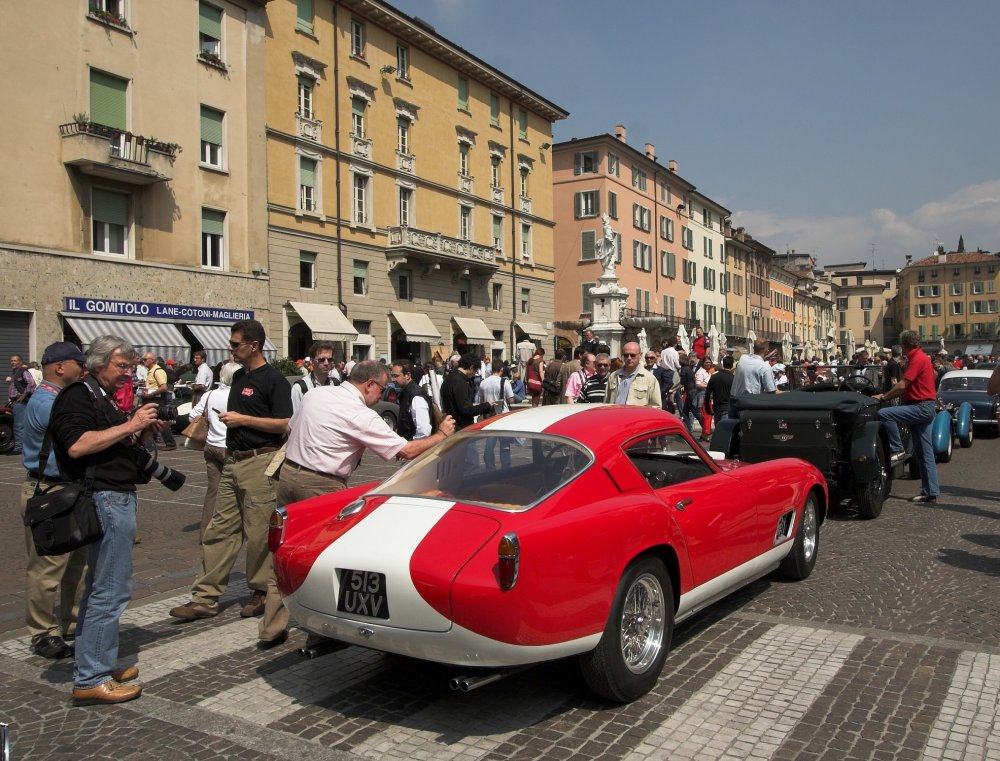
(108, 17)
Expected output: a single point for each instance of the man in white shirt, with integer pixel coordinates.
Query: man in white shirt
(753, 374)
(497, 390)
(203, 376)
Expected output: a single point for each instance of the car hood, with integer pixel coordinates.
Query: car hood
(973, 397)
(419, 545)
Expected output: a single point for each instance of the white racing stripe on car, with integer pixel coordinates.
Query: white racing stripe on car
(383, 541)
(538, 419)
(749, 708)
(967, 725)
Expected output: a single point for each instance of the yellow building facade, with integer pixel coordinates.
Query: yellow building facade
(133, 171)
(409, 189)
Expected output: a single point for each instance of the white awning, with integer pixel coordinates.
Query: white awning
(161, 338)
(364, 339)
(417, 326)
(326, 321)
(475, 330)
(533, 329)
(215, 341)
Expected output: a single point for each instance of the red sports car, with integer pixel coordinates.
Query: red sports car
(568, 530)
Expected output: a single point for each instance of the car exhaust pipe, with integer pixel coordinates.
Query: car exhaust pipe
(470, 682)
(321, 647)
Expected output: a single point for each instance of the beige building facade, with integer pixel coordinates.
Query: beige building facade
(409, 189)
(134, 173)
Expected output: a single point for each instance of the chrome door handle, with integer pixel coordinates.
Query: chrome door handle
(682, 504)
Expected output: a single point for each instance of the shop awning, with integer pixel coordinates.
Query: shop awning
(417, 326)
(533, 329)
(215, 341)
(475, 330)
(974, 349)
(161, 338)
(326, 321)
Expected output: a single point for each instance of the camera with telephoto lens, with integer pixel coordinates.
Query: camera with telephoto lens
(166, 411)
(172, 479)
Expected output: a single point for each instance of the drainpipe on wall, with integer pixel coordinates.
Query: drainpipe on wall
(336, 158)
(513, 236)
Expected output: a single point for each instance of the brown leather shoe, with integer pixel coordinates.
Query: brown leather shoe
(254, 606)
(126, 674)
(109, 692)
(192, 611)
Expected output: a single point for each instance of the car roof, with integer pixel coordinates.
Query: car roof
(589, 424)
(967, 374)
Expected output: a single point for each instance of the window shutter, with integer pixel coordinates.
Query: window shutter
(108, 100)
(577, 163)
(587, 245)
(358, 106)
(578, 205)
(212, 222)
(210, 21)
(211, 126)
(307, 172)
(109, 207)
(304, 15)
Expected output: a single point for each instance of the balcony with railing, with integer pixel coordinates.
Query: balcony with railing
(115, 154)
(420, 246)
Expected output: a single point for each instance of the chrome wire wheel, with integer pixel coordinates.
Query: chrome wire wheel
(642, 623)
(810, 530)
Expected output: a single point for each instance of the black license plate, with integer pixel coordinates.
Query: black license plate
(362, 593)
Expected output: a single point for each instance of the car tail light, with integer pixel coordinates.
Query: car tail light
(276, 528)
(509, 556)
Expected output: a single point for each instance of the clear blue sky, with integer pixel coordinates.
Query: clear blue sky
(830, 126)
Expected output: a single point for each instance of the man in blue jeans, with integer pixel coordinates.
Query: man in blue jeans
(917, 389)
(88, 429)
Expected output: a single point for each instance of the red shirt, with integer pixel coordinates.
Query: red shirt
(699, 345)
(920, 376)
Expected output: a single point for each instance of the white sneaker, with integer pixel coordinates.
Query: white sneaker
(897, 457)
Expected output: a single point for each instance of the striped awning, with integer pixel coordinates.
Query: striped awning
(475, 330)
(161, 338)
(215, 341)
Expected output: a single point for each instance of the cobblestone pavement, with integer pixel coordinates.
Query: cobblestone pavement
(890, 650)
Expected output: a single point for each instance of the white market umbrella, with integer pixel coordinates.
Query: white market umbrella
(786, 348)
(751, 337)
(713, 345)
(723, 344)
(852, 346)
(684, 339)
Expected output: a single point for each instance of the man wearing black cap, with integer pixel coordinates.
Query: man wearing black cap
(56, 576)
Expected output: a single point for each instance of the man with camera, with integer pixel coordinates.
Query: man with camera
(89, 430)
(49, 577)
(260, 405)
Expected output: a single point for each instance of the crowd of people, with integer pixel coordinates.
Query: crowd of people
(271, 442)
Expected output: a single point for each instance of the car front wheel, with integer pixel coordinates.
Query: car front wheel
(6, 436)
(629, 658)
(798, 564)
(872, 494)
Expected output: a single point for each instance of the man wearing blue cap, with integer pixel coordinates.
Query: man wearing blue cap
(56, 576)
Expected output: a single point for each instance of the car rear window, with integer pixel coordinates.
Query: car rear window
(506, 470)
(967, 383)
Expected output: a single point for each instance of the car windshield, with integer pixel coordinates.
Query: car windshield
(964, 383)
(508, 470)
(803, 376)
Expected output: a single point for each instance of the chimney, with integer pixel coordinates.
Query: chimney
(650, 152)
(672, 166)
(740, 233)
(909, 259)
(942, 257)
(620, 132)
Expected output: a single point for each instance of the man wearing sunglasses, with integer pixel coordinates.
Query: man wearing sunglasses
(322, 373)
(260, 406)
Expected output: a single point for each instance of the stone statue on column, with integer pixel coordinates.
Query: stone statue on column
(607, 249)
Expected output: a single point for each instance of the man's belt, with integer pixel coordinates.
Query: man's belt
(246, 454)
(295, 466)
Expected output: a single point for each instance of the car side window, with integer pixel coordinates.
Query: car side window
(666, 460)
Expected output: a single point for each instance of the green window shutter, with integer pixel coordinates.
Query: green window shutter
(463, 93)
(522, 123)
(497, 227)
(358, 106)
(307, 172)
(108, 100)
(211, 125)
(109, 207)
(360, 269)
(212, 222)
(587, 245)
(304, 15)
(210, 21)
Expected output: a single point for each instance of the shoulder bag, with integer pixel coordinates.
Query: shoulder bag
(62, 517)
(197, 430)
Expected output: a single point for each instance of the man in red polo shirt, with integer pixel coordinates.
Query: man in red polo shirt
(919, 397)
